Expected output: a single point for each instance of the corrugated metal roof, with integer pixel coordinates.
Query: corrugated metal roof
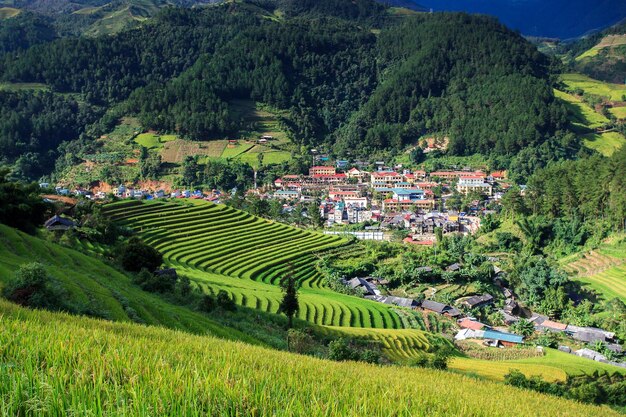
(505, 337)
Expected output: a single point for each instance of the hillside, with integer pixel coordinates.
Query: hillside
(602, 55)
(98, 289)
(105, 368)
(379, 83)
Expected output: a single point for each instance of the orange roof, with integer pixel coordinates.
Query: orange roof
(554, 325)
(383, 174)
(471, 324)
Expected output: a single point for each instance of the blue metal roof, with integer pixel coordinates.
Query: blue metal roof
(506, 337)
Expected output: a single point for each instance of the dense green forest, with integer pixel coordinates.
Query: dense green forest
(350, 76)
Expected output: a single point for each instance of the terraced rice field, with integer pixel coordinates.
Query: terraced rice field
(398, 345)
(603, 270)
(591, 86)
(554, 366)
(213, 244)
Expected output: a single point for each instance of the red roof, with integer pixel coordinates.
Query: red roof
(472, 177)
(279, 181)
(471, 324)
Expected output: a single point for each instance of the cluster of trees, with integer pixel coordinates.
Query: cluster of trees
(34, 124)
(593, 189)
(23, 31)
(607, 389)
(217, 174)
(21, 205)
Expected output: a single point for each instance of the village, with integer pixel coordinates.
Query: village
(374, 202)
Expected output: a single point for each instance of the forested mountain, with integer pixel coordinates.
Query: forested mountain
(350, 76)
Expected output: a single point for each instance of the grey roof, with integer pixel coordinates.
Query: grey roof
(434, 306)
(453, 267)
(57, 220)
(478, 300)
(401, 302)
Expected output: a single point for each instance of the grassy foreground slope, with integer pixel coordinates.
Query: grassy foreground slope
(80, 366)
(221, 248)
(106, 291)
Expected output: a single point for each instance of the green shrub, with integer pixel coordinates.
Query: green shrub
(207, 303)
(136, 255)
(225, 302)
(33, 287)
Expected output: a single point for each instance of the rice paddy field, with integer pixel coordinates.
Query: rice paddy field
(580, 113)
(9, 12)
(154, 140)
(605, 143)
(602, 270)
(609, 41)
(554, 366)
(589, 85)
(83, 367)
(92, 282)
(221, 248)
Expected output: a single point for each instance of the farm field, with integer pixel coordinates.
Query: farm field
(605, 143)
(104, 368)
(602, 270)
(153, 140)
(554, 366)
(581, 114)
(8, 12)
(589, 85)
(23, 87)
(221, 248)
(618, 112)
(609, 41)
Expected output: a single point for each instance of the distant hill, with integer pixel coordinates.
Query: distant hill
(562, 19)
(602, 56)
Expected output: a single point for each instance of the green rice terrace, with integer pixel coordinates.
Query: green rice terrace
(602, 270)
(76, 366)
(220, 248)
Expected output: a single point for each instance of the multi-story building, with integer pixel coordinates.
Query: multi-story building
(322, 170)
(470, 183)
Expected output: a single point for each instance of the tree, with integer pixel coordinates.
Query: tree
(523, 327)
(289, 304)
(224, 301)
(21, 206)
(32, 286)
(136, 255)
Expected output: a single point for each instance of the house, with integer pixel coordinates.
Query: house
(355, 173)
(341, 164)
(57, 222)
(549, 325)
(492, 338)
(468, 323)
(478, 301)
(401, 302)
(360, 202)
(365, 286)
(286, 195)
(322, 170)
(454, 267)
(474, 183)
(385, 179)
(589, 334)
(590, 354)
(502, 338)
(440, 308)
